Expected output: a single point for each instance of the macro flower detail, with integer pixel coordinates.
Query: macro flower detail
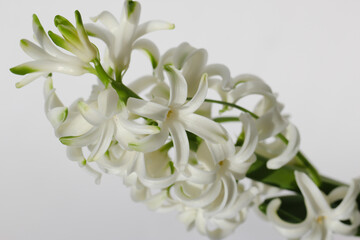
(186, 136)
(106, 120)
(48, 58)
(176, 117)
(122, 36)
(321, 218)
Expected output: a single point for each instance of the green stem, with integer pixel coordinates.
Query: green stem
(101, 73)
(225, 119)
(311, 170)
(123, 91)
(232, 105)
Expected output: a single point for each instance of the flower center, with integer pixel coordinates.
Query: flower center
(320, 219)
(221, 162)
(171, 114)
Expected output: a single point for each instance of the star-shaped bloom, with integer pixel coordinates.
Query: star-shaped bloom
(121, 37)
(321, 219)
(107, 118)
(176, 116)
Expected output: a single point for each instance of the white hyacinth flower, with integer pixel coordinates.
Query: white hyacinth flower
(107, 118)
(121, 37)
(193, 64)
(48, 58)
(176, 116)
(321, 219)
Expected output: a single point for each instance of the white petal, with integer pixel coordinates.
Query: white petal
(342, 228)
(150, 49)
(200, 176)
(30, 77)
(147, 109)
(198, 98)
(188, 218)
(135, 127)
(33, 51)
(181, 145)
(154, 182)
(204, 128)
(92, 115)
(108, 102)
(152, 142)
(289, 152)
(239, 169)
(86, 139)
(348, 204)
(98, 32)
(318, 232)
(151, 26)
(180, 54)
(104, 140)
(142, 83)
(71, 68)
(314, 199)
(178, 86)
(157, 200)
(220, 152)
(74, 125)
(97, 175)
(193, 197)
(139, 194)
(57, 116)
(271, 123)
(125, 34)
(288, 230)
(107, 19)
(193, 69)
(251, 139)
(45, 42)
(222, 71)
(75, 154)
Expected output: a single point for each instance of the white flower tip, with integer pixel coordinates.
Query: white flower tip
(98, 180)
(155, 129)
(204, 77)
(273, 206)
(94, 19)
(134, 146)
(83, 107)
(273, 164)
(66, 140)
(169, 67)
(171, 26)
(19, 84)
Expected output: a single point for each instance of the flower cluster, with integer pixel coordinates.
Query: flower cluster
(163, 134)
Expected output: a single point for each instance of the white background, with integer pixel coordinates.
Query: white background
(307, 51)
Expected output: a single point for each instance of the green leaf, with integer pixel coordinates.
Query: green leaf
(284, 177)
(194, 141)
(292, 208)
(23, 69)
